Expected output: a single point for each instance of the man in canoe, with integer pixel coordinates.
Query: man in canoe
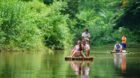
(117, 47)
(77, 50)
(123, 42)
(86, 35)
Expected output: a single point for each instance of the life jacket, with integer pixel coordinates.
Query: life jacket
(123, 39)
(118, 47)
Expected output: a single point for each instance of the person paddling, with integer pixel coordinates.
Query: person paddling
(117, 47)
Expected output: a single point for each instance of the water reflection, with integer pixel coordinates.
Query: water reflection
(120, 61)
(20, 65)
(40, 65)
(81, 68)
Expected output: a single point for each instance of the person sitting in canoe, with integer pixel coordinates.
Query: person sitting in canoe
(86, 47)
(77, 50)
(86, 35)
(117, 47)
(123, 42)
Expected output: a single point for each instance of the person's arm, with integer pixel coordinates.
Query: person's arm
(120, 47)
(87, 47)
(89, 35)
(114, 49)
(81, 52)
(87, 50)
(73, 50)
(73, 54)
(83, 36)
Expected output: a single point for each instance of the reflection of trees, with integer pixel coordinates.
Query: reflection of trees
(54, 66)
(81, 68)
(133, 69)
(20, 65)
(6, 71)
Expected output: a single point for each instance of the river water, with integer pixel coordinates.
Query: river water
(42, 65)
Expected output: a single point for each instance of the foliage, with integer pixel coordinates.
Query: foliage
(17, 28)
(130, 18)
(100, 16)
(48, 1)
(54, 26)
(96, 15)
(33, 24)
(25, 25)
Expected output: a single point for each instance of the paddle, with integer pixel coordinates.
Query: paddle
(123, 51)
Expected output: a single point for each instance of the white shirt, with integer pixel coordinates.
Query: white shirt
(76, 48)
(86, 47)
(115, 46)
(85, 35)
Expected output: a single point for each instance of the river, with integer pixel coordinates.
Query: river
(43, 65)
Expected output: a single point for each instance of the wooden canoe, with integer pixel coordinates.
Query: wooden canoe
(68, 58)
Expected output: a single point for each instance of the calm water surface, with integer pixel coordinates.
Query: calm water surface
(40, 65)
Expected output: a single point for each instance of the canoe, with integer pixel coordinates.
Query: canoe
(68, 58)
(123, 51)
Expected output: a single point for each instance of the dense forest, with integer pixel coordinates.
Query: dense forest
(58, 24)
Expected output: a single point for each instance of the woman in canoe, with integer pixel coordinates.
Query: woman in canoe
(77, 50)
